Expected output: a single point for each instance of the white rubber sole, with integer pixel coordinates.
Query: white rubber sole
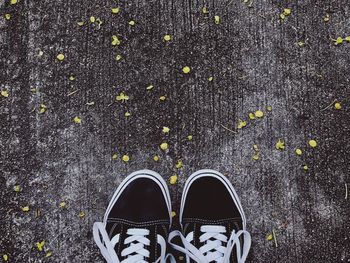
(157, 178)
(223, 179)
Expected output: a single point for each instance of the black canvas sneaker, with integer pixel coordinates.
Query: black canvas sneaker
(212, 220)
(137, 221)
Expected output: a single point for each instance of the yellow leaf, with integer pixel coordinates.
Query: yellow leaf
(17, 188)
(63, 204)
(241, 124)
(287, 11)
(167, 38)
(40, 245)
(125, 158)
(115, 10)
(179, 164)
(337, 105)
(122, 97)
(92, 19)
(162, 98)
(131, 23)
(115, 41)
(338, 41)
(259, 114)
(156, 158)
(164, 146)
(251, 116)
(60, 57)
(114, 156)
(7, 16)
(48, 254)
(190, 137)
(149, 87)
(13, 2)
(173, 214)
(5, 257)
(298, 151)
(118, 57)
(26, 209)
(313, 143)
(280, 144)
(165, 130)
(77, 120)
(4, 93)
(210, 79)
(269, 237)
(127, 114)
(186, 69)
(217, 20)
(173, 179)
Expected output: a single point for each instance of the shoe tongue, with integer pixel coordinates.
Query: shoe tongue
(114, 229)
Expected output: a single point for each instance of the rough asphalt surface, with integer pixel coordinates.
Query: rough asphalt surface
(256, 59)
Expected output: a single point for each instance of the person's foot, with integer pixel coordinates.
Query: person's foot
(212, 219)
(136, 224)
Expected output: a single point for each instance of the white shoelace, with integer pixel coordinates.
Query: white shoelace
(135, 252)
(216, 247)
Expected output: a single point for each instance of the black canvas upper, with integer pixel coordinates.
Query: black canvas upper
(140, 205)
(209, 202)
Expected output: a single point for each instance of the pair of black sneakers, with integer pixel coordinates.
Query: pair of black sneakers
(136, 226)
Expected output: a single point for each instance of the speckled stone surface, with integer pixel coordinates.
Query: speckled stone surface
(256, 60)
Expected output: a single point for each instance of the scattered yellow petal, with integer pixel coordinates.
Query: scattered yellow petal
(80, 23)
(269, 237)
(26, 209)
(60, 57)
(118, 57)
(149, 87)
(210, 79)
(280, 144)
(217, 20)
(173, 179)
(186, 69)
(122, 97)
(90, 103)
(305, 167)
(40, 245)
(7, 16)
(162, 98)
(115, 10)
(173, 214)
(255, 147)
(63, 204)
(165, 130)
(205, 10)
(71, 77)
(77, 120)
(190, 137)
(259, 114)
(251, 116)
(301, 43)
(241, 124)
(115, 41)
(167, 38)
(114, 156)
(313, 143)
(337, 105)
(17, 188)
(287, 11)
(131, 23)
(4, 93)
(127, 114)
(326, 18)
(48, 254)
(82, 214)
(42, 108)
(256, 156)
(5, 257)
(13, 2)
(179, 164)
(338, 41)
(269, 108)
(125, 158)
(347, 39)
(164, 146)
(298, 151)
(92, 19)
(156, 158)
